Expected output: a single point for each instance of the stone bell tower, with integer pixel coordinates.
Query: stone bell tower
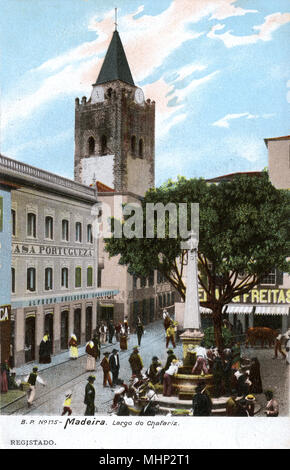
(115, 129)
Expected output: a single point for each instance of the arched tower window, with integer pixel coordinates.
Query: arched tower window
(109, 92)
(141, 148)
(103, 145)
(91, 143)
(133, 144)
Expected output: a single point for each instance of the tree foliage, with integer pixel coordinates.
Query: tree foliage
(244, 229)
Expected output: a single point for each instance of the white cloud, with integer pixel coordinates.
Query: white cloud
(249, 148)
(288, 92)
(264, 31)
(225, 121)
(182, 93)
(38, 143)
(226, 10)
(148, 40)
(188, 70)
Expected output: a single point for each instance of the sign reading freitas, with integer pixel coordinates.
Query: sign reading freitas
(256, 296)
(49, 250)
(5, 312)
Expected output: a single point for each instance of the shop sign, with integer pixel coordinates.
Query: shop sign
(5, 311)
(256, 296)
(49, 250)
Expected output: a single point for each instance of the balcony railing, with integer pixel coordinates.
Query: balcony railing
(22, 169)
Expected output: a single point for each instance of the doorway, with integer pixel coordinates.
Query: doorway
(77, 324)
(89, 323)
(48, 327)
(29, 346)
(64, 329)
(107, 313)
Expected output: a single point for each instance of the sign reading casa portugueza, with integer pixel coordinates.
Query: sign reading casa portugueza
(49, 250)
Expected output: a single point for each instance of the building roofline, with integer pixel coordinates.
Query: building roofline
(22, 174)
(285, 137)
(120, 193)
(231, 175)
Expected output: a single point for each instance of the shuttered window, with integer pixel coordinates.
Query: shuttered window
(48, 279)
(31, 225)
(64, 277)
(65, 230)
(31, 277)
(89, 276)
(78, 277)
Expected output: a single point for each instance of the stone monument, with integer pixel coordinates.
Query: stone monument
(192, 335)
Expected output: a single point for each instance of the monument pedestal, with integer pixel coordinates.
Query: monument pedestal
(190, 339)
(184, 382)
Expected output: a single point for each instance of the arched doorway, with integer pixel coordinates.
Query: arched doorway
(29, 347)
(64, 319)
(89, 322)
(48, 327)
(77, 324)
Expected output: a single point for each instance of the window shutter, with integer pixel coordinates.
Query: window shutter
(78, 278)
(89, 276)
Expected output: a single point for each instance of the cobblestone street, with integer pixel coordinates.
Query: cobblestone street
(61, 376)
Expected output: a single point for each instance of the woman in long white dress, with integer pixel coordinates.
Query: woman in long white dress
(91, 356)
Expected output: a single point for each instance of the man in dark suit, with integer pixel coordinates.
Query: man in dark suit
(114, 363)
(89, 400)
(111, 330)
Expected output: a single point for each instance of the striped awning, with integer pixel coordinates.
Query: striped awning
(272, 309)
(239, 308)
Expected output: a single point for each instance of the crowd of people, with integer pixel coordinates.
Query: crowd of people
(233, 376)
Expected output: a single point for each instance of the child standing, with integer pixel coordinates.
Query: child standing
(67, 403)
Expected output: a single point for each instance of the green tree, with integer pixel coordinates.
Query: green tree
(243, 233)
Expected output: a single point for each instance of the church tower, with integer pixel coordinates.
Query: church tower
(115, 129)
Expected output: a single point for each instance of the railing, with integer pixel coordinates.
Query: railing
(23, 169)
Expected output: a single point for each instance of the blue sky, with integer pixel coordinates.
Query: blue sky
(218, 70)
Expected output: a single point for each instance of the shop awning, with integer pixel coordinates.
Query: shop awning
(205, 310)
(239, 308)
(272, 309)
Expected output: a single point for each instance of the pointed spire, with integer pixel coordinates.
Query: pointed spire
(115, 65)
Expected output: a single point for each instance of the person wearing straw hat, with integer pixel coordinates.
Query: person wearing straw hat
(31, 379)
(106, 370)
(67, 403)
(250, 407)
(90, 393)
